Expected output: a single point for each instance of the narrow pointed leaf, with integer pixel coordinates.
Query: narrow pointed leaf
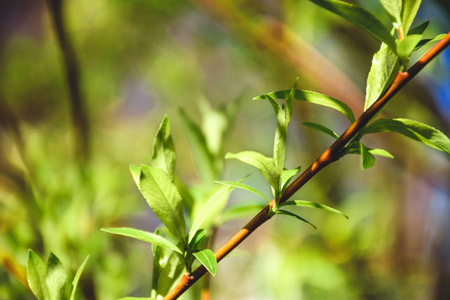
(199, 236)
(288, 213)
(367, 159)
(428, 41)
(158, 264)
(210, 210)
(413, 129)
(163, 197)
(214, 126)
(382, 72)
(244, 187)
(360, 17)
(241, 211)
(163, 154)
(56, 278)
(136, 173)
(355, 148)
(36, 271)
(77, 278)
(204, 159)
(144, 236)
(381, 152)
(420, 29)
(286, 176)
(394, 8)
(321, 128)
(263, 163)
(313, 97)
(310, 204)
(206, 258)
(279, 147)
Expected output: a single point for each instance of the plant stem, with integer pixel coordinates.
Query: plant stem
(330, 155)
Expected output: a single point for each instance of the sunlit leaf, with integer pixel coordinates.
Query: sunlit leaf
(77, 278)
(210, 210)
(144, 236)
(244, 187)
(197, 239)
(310, 204)
(321, 128)
(263, 163)
(382, 72)
(206, 258)
(406, 46)
(414, 130)
(286, 176)
(381, 152)
(36, 271)
(355, 148)
(313, 97)
(409, 12)
(158, 264)
(163, 197)
(241, 211)
(214, 126)
(56, 277)
(136, 173)
(394, 8)
(279, 147)
(163, 154)
(288, 213)
(360, 17)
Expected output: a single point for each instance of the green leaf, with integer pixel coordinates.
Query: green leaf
(286, 176)
(244, 187)
(77, 278)
(428, 41)
(406, 46)
(144, 236)
(381, 152)
(209, 211)
(409, 12)
(197, 239)
(241, 211)
(136, 173)
(321, 128)
(279, 146)
(56, 278)
(158, 264)
(163, 155)
(394, 8)
(367, 159)
(382, 72)
(36, 271)
(163, 197)
(355, 148)
(312, 205)
(313, 97)
(360, 17)
(288, 213)
(206, 258)
(420, 29)
(137, 298)
(264, 164)
(413, 129)
(214, 126)
(204, 159)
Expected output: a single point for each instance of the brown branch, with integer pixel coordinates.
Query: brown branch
(329, 156)
(79, 115)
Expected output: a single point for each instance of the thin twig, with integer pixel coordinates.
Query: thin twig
(329, 156)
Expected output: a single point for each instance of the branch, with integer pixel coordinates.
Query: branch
(329, 156)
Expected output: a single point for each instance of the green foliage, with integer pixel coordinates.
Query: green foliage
(49, 281)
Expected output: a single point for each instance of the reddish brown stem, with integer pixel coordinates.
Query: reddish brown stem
(329, 156)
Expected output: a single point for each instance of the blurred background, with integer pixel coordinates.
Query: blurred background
(85, 84)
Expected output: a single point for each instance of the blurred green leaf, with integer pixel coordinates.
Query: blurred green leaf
(163, 197)
(56, 278)
(304, 203)
(203, 157)
(360, 17)
(244, 187)
(413, 129)
(264, 164)
(367, 159)
(240, 211)
(144, 236)
(77, 278)
(206, 258)
(210, 210)
(137, 298)
(36, 272)
(214, 126)
(321, 128)
(163, 154)
(382, 72)
(288, 213)
(313, 97)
